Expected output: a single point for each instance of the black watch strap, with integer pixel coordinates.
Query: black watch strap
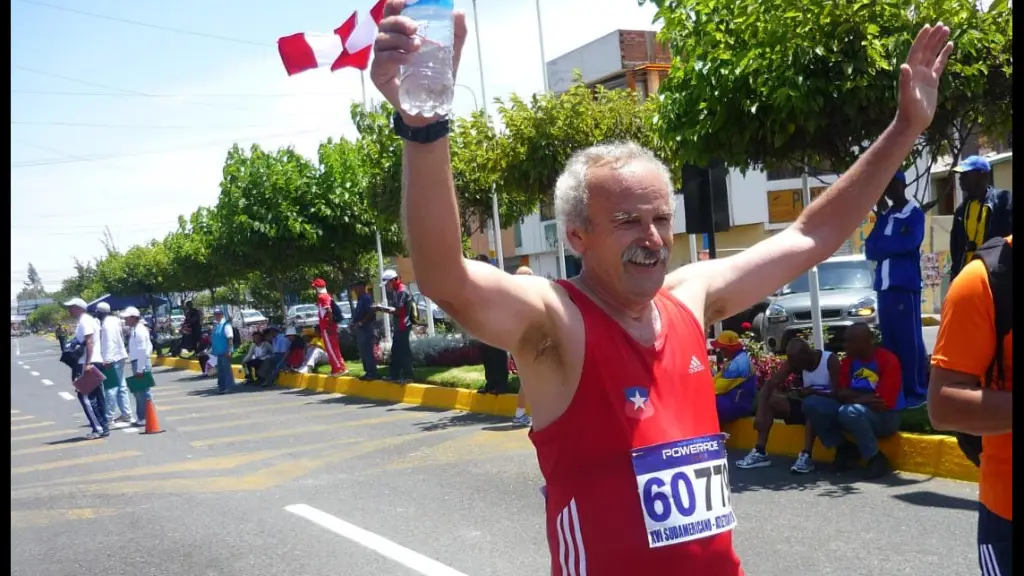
(421, 134)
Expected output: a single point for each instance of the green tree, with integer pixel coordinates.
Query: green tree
(47, 316)
(267, 223)
(542, 133)
(33, 286)
(83, 284)
(811, 82)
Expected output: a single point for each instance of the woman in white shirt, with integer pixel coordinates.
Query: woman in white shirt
(140, 347)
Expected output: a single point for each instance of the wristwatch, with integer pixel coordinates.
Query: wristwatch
(421, 134)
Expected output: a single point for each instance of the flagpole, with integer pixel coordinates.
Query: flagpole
(380, 251)
(544, 72)
(495, 216)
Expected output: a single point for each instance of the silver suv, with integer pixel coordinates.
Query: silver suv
(846, 296)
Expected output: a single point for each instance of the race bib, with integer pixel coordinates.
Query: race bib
(684, 489)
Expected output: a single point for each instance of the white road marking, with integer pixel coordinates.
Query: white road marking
(34, 373)
(37, 354)
(132, 430)
(66, 395)
(47, 382)
(17, 349)
(15, 411)
(20, 362)
(400, 554)
(26, 366)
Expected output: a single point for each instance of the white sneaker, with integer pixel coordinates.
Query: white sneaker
(523, 420)
(803, 464)
(754, 460)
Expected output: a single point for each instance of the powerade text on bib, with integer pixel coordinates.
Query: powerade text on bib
(684, 489)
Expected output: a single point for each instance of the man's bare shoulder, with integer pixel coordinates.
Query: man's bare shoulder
(689, 283)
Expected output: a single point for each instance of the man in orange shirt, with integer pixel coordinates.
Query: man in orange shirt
(966, 395)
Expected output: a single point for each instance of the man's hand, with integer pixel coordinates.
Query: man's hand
(396, 40)
(919, 77)
(875, 403)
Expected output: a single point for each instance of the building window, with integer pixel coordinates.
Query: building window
(547, 208)
(517, 233)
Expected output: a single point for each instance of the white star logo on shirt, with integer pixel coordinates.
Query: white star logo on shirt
(638, 401)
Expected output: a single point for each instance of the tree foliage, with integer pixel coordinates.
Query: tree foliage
(32, 287)
(543, 132)
(811, 82)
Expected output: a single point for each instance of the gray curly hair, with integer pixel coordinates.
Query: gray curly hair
(571, 194)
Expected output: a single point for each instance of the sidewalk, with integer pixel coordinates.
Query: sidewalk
(930, 455)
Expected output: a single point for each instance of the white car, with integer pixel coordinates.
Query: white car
(302, 316)
(250, 317)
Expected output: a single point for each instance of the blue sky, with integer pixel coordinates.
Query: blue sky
(124, 126)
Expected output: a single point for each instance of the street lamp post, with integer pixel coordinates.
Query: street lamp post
(483, 94)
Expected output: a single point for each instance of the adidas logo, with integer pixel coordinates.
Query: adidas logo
(695, 365)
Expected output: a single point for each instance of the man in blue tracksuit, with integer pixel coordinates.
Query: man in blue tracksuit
(894, 244)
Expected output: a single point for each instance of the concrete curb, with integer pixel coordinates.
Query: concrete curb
(930, 455)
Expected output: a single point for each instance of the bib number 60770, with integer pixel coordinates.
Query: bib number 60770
(682, 490)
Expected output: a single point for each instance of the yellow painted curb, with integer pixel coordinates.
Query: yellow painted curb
(931, 455)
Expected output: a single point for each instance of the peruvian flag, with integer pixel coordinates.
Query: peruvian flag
(349, 46)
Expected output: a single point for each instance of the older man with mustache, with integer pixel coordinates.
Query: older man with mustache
(614, 360)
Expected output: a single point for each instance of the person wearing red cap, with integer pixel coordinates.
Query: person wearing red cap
(329, 313)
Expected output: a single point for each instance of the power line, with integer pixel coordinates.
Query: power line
(46, 149)
(178, 96)
(147, 24)
(116, 88)
(31, 164)
(134, 126)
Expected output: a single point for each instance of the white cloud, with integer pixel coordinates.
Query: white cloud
(59, 211)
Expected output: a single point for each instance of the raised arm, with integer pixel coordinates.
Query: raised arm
(492, 305)
(735, 283)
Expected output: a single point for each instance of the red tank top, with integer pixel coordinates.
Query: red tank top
(636, 469)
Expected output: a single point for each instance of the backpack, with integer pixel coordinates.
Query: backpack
(336, 312)
(997, 254)
(414, 311)
(236, 337)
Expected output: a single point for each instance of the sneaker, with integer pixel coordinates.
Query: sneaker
(523, 420)
(303, 370)
(139, 424)
(123, 419)
(92, 436)
(877, 467)
(803, 464)
(339, 373)
(754, 460)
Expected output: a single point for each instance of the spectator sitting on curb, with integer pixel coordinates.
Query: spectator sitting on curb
(818, 371)
(258, 352)
(316, 354)
(866, 404)
(296, 350)
(279, 350)
(736, 382)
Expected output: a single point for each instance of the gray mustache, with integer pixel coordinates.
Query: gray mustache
(640, 253)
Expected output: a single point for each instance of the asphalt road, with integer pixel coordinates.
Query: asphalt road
(284, 482)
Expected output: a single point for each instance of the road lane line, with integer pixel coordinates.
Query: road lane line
(66, 395)
(20, 362)
(53, 447)
(34, 373)
(47, 382)
(36, 425)
(17, 349)
(26, 366)
(18, 418)
(15, 411)
(75, 462)
(48, 434)
(398, 553)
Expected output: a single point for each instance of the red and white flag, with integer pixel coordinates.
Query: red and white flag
(350, 46)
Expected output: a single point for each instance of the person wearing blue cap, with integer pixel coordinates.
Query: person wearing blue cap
(894, 245)
(221, 346)
(985, 212)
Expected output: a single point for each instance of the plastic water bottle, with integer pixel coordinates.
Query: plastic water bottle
(427, 83)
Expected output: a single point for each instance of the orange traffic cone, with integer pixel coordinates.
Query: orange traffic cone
(152, 423)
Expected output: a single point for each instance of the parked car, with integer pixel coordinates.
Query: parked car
(421, 305)
(846, 297)
(252, 317)
(302, 316)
